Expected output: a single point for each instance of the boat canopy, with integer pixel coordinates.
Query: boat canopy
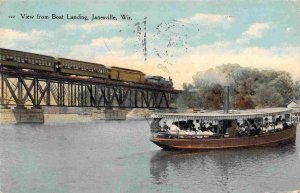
(220, 115)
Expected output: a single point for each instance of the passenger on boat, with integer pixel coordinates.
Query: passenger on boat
(210, 127)
(207, 133)
(245, 124)
(191, 125)
(203, 127)
(174, 129)
(199, 134)
(247, 128)
(266, 122)
(271, 128)
(284, 124)
(254, 128)
(258, 130)
(197, 125)
(278, 120)
(165, 127)
(268, 127)
(278, 125)
(264, 130)
(181, 125)
(238, 128)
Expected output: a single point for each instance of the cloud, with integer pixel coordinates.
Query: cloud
(290, 30)
(208, 56)
(35, 41)
(115, 41)
(254, 31)
(100, 47)
(207, 18)
(118, 51)
(201, 58)
(10, 38)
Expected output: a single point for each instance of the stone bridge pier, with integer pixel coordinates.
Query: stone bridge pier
(21, 115)
(109, 113)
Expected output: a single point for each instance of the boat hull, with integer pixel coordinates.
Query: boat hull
(191, 144)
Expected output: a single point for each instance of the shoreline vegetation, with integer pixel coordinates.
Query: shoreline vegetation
(250, 88)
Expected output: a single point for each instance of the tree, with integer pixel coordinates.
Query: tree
(250, 88)
(188, 98)
(297, 89)
(243, 102)
(264, 98)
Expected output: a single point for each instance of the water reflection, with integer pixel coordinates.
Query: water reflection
(226, 169)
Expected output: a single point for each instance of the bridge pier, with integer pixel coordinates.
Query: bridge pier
(2, 106)
(22, 115)
(109, 114)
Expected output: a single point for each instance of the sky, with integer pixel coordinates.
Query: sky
(167, 38)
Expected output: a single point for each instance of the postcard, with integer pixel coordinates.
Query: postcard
(149, 96)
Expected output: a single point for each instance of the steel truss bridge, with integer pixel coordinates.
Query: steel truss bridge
(29, 88)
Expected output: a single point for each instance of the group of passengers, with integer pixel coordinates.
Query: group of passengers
(190, 128)
(250, 127)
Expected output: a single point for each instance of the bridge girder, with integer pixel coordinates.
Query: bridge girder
(36, 90)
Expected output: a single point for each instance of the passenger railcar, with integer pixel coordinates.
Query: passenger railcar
(80, 68)
(26, 60)
(124, 74)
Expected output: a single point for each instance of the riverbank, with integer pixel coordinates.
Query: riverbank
(67, 117)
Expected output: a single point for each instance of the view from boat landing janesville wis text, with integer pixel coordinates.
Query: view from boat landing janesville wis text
(149, 96)
(55, 16)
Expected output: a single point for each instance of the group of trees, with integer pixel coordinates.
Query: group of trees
(297, 90)
(249, 88)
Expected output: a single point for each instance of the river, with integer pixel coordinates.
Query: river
(116, 156)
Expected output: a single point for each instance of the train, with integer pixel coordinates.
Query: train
(37, 62)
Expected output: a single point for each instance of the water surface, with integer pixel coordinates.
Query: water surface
(116, 156)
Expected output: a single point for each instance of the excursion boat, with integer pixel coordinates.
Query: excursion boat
(223, 130)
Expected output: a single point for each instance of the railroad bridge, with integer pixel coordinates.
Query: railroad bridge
(23, 89)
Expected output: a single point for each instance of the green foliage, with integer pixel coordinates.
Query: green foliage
(297, 89)
(188, 98)
(267, 96)
(250, 88)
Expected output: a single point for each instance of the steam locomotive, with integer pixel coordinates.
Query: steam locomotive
(37, 62)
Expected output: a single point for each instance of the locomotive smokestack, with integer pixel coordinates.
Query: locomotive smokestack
(226, 99)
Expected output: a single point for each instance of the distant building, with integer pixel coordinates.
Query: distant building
(293, 104)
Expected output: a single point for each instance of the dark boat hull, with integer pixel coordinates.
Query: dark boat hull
(191, 144)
